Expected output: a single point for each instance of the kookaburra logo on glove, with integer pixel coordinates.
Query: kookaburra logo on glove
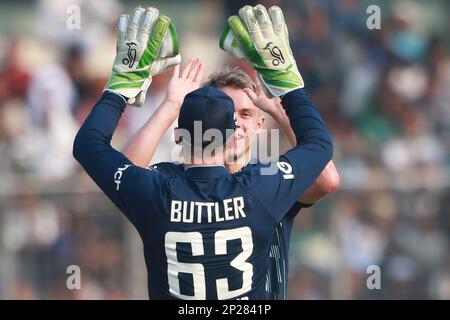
(147, 44)
(261, 37)
(276, 53)
(131, 55)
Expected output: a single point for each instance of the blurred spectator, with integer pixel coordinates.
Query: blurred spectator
(385, 95)
(52, 95)
(95, 17)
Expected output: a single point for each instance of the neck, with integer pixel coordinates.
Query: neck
(239, 163)
(190, 165)
(204, 162)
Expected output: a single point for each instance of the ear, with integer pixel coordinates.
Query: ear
(260, 124)
(178, 138)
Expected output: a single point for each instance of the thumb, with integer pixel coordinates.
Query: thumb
(173, 61)
(168, 62)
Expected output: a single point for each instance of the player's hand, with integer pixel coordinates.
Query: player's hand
(182, 83)
(269, 105)
(262, 38)
(147, 44)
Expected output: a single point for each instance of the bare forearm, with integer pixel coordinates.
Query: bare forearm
(327, 182)
(142, 146)
(282, 120)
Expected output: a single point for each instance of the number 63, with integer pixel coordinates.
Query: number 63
(195, 239)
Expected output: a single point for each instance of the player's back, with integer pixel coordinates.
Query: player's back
(206, 233)
(208, 237)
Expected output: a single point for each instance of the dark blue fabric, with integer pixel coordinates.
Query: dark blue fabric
(227, 222)
(278, 269)
(211, 108)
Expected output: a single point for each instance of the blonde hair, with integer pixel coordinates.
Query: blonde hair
(230, 77)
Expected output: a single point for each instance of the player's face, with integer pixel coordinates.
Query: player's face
(249, 120)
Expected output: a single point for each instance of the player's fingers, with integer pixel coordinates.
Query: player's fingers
(147, 22)
(277, 18)
(199, 75)
(194, 69)
(249, 19)
(159, 32)
(187, 68)
(277, 101)
(258, 86)
(265, 25)
(251, 94)
(122, 29)
(134, 24)
(242, 36)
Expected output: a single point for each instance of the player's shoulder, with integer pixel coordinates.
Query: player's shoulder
(167, 168)
(258, 168)
(248, 169)
(250, 173)
(252, 166)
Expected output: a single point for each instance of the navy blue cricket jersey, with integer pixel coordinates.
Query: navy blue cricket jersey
(207, 234)
(278, 272)
(278, 269)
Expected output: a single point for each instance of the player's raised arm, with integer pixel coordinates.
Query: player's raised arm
(261, 37)
(328, 180)
(142, 146)
(139, 57)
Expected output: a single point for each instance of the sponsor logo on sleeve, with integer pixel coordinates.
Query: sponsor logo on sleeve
(286, 168)
(118, 175)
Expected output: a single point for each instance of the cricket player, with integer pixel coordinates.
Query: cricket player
(249, 99)
(206, 233)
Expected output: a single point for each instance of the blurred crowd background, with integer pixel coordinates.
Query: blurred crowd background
(385, 95)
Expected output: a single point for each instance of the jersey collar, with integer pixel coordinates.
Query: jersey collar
(205, 171)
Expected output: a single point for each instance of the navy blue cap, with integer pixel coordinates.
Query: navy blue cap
(213, 107)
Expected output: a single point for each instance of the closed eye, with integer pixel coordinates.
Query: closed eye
(246, 114)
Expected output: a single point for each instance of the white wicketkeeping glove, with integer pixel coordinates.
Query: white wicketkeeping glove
(262, 39)
(146, 46)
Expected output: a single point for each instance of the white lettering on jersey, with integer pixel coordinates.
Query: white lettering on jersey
(175, 211)
(286, 168)
(118, 175)
(192, 211)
